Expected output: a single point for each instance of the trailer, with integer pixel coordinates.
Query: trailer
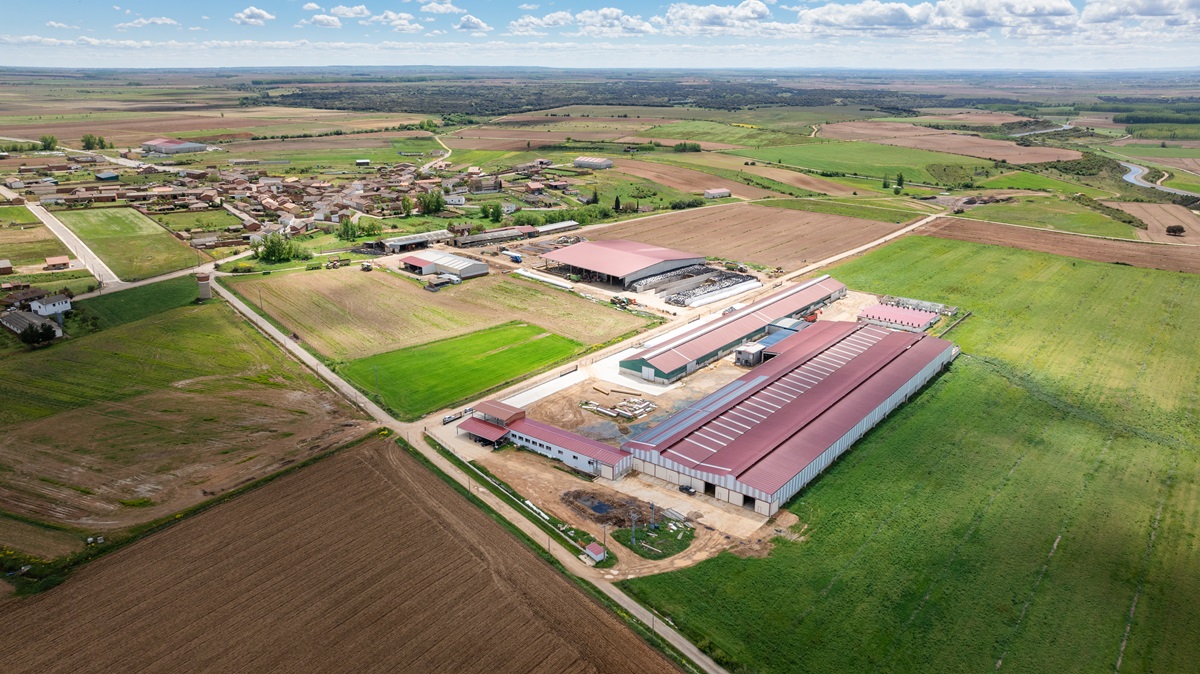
(512, 255)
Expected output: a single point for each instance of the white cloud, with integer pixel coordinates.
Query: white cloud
(143, 22)
(55, 24)
(611, 22)
(533, 25)
(321, 21)
(252, 16)
(748, 18)
(117, 7)
(195, 28)
(470, 23)
(400, 22)
(355, 12)
(442, 7)
(312, 7)
(528, 7)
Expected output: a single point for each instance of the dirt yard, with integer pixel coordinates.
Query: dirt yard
(363, 562)
(793, 178)
(347, 314)
(688, 180)
(1149, 255)
(774, 237)
(984, 148)
(1160, 216)
(874, 130)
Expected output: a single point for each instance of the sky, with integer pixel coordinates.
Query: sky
(936, 34)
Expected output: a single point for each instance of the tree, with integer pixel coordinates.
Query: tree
(88, 141)
(497, 213)
(530, 219)
(595, 196)
(348, 231)
(900, 180)
(406, 206)
(372, 228)
(275, 248)
(1175, 230)
(617, 203)
(431, 202)
(886, 183)
(48, 142)
(37, 334)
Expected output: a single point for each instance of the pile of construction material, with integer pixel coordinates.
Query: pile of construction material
(721, 281)
(628, 408)
(919, 305)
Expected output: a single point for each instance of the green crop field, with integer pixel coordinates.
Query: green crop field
(76, 280)
(1023, 180)
(16, 214)
(862, 210)
(419, 379)
(130, 243)
(1156, 151)
(715, 132)
(1052, 213)
(1013, 512)
(135, 304)
(869, 159)
(1184, 181)
(208, 221)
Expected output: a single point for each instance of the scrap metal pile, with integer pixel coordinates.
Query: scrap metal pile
(720, 281)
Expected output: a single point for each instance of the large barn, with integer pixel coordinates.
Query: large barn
(692, 350)
(172, 146)
(620, 262)
(757, 441)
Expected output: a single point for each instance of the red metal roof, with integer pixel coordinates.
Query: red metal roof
(484, 429)
(415, 261)
(569, 441)
(502, 411)
(784, 414)
(899, 315)
(707, 338)
(616, 257)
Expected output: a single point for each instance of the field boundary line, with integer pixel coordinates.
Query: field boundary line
(1064, 232)
(1145, 570)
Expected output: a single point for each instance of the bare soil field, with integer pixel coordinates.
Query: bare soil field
(793, 178)
(688, 180)
(751, 233)
(498, 144)
(984, 148)
(37, 541)
(1189, 164)
(1160, 216)
(1097, 120)
(1149, 255)
(346, 314)
(510, 133)
(704, 144)
(874, 130)
(365, 562)
(350, 142)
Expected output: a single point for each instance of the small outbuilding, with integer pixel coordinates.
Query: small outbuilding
(6, 267)
(717, 193)
(58, 262)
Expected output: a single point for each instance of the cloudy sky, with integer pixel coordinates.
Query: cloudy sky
(959, 34)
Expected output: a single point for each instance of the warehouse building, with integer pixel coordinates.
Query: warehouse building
(593, 163)
(898, 318)
(172, 146)
(493, 421)
(436, 262)
(557, 227)
(717, 193)
(619, 262)
(759, 440)
(400, 244)
(684, 354)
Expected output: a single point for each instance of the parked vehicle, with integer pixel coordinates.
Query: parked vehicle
(451, 418)
(687, 489)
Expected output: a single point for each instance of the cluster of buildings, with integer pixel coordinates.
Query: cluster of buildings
(34, 307)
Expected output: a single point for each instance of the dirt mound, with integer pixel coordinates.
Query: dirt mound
(609, 509)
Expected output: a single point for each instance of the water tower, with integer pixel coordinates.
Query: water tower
(205, 288)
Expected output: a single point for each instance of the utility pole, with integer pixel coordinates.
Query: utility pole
(632, 529)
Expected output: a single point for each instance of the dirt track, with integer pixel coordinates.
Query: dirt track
(1149, 255)
(984, 148)
(1160, 216)
(365, 562)
(687, 180)
(751, 233)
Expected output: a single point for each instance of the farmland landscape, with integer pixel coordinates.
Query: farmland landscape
(614, 339)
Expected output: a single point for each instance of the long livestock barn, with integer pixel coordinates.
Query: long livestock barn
(618, 261)
(759, 440)
(437, 262)
(686, 353)
(400, 244)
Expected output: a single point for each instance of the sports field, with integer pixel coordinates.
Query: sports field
(869, 159)
(346, 314)
(1033, 510)
(420, 379)
(1052, 213)
(130, 244)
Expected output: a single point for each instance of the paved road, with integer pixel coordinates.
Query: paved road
(1134, 175)
(90, 260)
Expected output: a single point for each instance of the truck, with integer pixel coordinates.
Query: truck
(512, 255)
(451, 418)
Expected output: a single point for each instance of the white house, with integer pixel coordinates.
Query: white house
(455, 200)
(48, 306)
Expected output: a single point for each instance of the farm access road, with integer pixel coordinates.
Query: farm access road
(90, 260)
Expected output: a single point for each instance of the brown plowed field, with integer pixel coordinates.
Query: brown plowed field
(1160, 216)
(514, 133)
(365, 562)
(688, 180)
(704, 144)
(1149, 255)
(793, 178)
(1190, 164)
(774, 237)
(984, 148)
(501, 144)
(874, 130)
(982, 118)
